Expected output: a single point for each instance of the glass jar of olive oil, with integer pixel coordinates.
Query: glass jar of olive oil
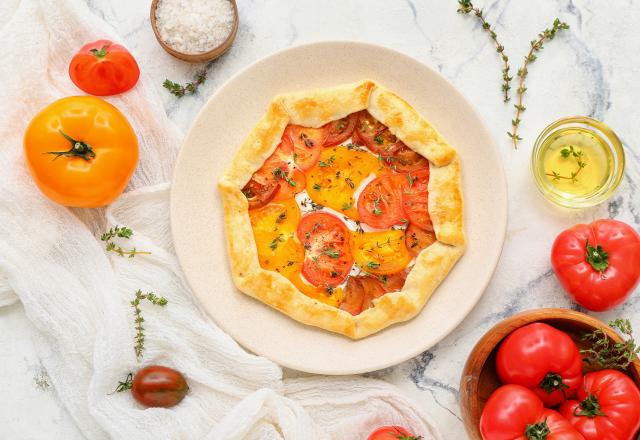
(577, 162)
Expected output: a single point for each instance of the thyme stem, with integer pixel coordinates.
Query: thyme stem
(467, 7)
(121, 232)
(139, 320)
(536, 46)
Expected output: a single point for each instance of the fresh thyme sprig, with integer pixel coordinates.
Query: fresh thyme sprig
(120, 232)
(536, 46)
(190, 88)
(566, 153)
(467, 7)
(607, 353)
(139, 320)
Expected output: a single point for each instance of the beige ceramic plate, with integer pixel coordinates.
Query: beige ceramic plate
(197, 219)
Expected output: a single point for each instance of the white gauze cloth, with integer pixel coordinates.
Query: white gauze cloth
(77, 296)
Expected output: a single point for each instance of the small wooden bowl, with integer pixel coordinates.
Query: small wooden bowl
(197, 57)
(480, 378)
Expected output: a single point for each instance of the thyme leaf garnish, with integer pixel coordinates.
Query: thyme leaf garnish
(139, 320)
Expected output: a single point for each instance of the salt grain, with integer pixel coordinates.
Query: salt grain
(194, 26)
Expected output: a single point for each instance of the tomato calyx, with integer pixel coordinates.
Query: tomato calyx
(589, 407)
(537, 431)
(597, 257)
(78, 149)
(553, 382)
(124, 386)
(100, 53)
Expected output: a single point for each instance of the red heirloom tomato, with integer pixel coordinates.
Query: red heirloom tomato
(159, 386)
(380, 202)
(104, 68)
(327, 255)
(608, 407)
(598, 264)
(392, 433)
(340, 130)
(415, 198)
(514, 412)
(543, 359)
(307, 144)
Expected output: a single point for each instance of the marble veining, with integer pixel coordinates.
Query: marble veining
(589, 70)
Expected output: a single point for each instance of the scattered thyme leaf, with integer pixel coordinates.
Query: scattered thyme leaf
(346, 206)
(120, 232)
(124, 386)
(331, 253)
(373, 265)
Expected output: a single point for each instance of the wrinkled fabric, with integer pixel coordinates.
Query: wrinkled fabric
(77, 295)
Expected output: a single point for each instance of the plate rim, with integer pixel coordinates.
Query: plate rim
(293, 364)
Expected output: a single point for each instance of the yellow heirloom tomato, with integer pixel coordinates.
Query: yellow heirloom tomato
(81, 151)
(380, 253)
(334, 179)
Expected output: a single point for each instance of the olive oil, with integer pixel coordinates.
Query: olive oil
(577, 162)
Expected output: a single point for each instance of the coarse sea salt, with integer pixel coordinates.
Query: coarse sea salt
(194, 26)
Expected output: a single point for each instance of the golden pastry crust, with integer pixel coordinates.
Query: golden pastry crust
(313, 109)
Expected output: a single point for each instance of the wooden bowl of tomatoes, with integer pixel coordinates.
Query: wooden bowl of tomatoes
(482, 373)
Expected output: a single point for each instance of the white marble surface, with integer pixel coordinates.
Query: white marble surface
(589, 70)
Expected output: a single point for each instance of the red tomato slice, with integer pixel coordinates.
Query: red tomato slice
(360, 291)
(292, 184)
(417, 239)
(340, 130)
(380, 202)
(327, 259)
(415, 198)
(376, 136)
(404, 160)
(307, 144)
(278, 178)
(259, 194)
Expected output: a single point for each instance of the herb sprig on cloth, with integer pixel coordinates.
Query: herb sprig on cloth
(120, 232)
(139, 320)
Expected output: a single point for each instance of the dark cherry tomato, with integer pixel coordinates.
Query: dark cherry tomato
(380, 202)
(156, 385)
(360, 291)
(327, 257)
(103, 68)
(340, 130)
(404, 160)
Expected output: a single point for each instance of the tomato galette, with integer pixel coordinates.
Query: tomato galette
(343, 209)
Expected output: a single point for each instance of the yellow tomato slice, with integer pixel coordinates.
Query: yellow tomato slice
(380, 253)
(274, 229)
(334, 179)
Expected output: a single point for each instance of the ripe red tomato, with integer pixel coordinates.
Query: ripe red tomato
(514, 412)
(159, 386)
(392, 433)
(307, 144)
(103, 68)
(415, 198)
(327, 257)
(543, 359)
(608, 407)
(380, 202)
(598, 264)
(405, 160)
(340, 130)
